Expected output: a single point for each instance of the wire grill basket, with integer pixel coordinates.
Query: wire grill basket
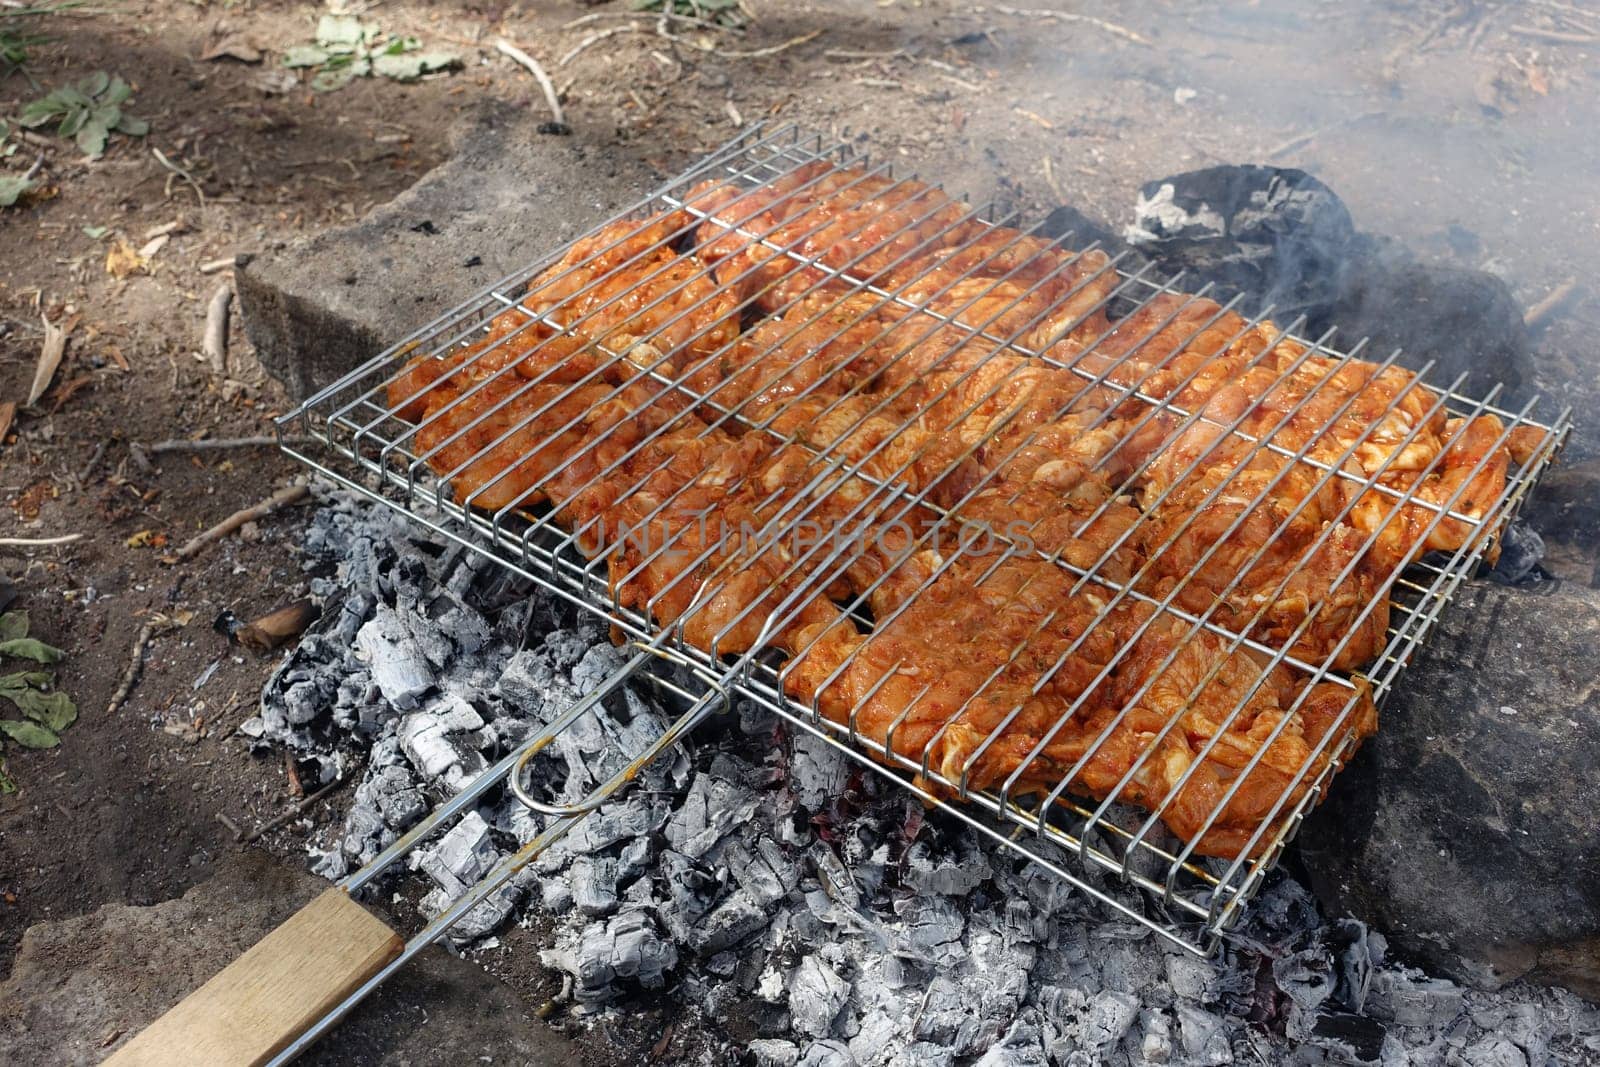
(1116, 853)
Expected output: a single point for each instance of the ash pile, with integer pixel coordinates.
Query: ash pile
(800, 910)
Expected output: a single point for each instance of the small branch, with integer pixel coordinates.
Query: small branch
(1066, 16)
(757, 53)
(38, 542)
(294, 812)
(596, 38)
(219, 264)
(130, 674)
(180, 172)
(215, 344)
(1555, 35)
(1541, 311)
(274, 503)
(517, 55)
(688, 20)
(217, 444)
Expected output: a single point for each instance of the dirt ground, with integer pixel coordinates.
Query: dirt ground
(1465, 130)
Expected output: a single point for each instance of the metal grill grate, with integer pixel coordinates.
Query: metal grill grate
(537, 369)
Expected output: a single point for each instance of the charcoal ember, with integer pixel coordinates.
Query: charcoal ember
(837, 881)
(931, 930)
(1021, 1046)
(761, 870)
(1204, 1036)
(827, 1053)
(1110, 1016)
(877, 1033)
(594, 884)
(771, 1052)
(1521, 552)
(1191, 978)
(627, 947)
(948, 875)
(437, 754)
(728, 924)
(922, 1054)
(713, 808)
(399, 666)
(817, 772)
(1493, 1050)
(1155, 1041)
(816, 996)
(945, 1018)
(1306, 977)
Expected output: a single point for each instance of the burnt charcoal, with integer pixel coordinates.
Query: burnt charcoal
(816, 996)
(1191, 978)
(728, 924)
(945, 1018)
(692, 891)
(436, 753)
(817, 772)
(1075, 230)
(625, 948)
(1521, 552)
(461, 856)
(1493, 1050)
(923, 1054)
(712, 809)
(594, 884)
(1306, 977)
(399, 667)
(931, 930)
(836, 879)
(1111, 1015)
(771, 1052)
(1155, 1042)
(878, 1032)
(1204, 1036)
(1022, 1046)
(947, 875)
(1406, 1001)
(763, 872)
(1355, 1038)
(829, 1053)
(1276, 235)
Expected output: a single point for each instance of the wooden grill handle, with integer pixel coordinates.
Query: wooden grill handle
(254, 1007)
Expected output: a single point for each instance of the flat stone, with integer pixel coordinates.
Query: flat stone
(81, 987)
(1465, 828)
(315, 308)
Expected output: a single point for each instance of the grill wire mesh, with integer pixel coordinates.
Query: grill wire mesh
(1118, 854)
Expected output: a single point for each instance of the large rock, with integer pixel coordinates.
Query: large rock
(81, 987)
(314, 308)
(1467, 828)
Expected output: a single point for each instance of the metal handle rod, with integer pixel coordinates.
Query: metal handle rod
(716, 696)
(490, 778)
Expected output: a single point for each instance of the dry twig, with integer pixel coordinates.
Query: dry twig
(688, 20)
(1067, 16)
(219, 264)
(1555, 35)
(527, 62)
(274, 503)
(756, 53)
(181, 173)
(130, 674)
(214, 444)
(215, 343)
(55, 346)
(1541, 311)
(299, 809)
(8, 414)
(595, 38)
(38, 542)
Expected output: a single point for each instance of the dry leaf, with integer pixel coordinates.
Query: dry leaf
(234, 46)
(147, 539)
(122, 260)
(271, 630)
(68, 390)
(55, 347)
(1537, 80)
(8, 412)
(154, 245)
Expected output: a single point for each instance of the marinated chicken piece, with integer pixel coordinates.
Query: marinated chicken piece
(1160, 717)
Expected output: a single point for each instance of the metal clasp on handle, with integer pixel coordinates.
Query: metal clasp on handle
(715, 697)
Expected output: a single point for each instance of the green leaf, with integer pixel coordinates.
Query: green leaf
(13, 624)
(305, 55)
(94, 233)
(23, 680)
(53, 710)
(133, 127)
(28, 648)
(326, 81)
(11, 189)
(398, 45)
(95, 84)
(92, 139)
(73, 122)
(340, 32)
(118, 92)
(38, 113)
(8, 784)
(29, 734)
(107, 115)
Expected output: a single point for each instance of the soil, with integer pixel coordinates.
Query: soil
(1448, 127)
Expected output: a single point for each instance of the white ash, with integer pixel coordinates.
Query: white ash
(799, 907)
